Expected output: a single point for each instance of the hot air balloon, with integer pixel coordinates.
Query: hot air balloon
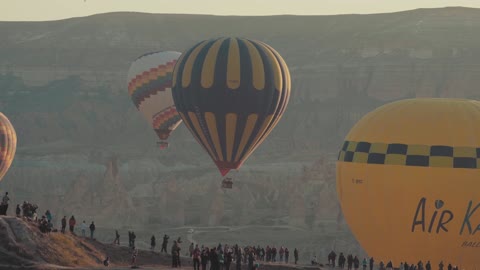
(8, 144)
(149, 86)
(230, 93)
(408, 180)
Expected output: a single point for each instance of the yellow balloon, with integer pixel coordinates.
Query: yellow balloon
(408, 180)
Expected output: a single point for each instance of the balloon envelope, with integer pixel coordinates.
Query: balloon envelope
(8, 144)
(149, 85)
(408, 179)
(230, 93)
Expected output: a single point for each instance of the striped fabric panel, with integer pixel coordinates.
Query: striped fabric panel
(166, 119)
(411, 155)
(150, 83)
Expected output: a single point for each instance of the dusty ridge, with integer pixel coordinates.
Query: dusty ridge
(23, 246)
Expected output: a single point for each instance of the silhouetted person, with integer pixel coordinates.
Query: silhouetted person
(174, 255)
(164, 243)
(83, 226)
(130, 239)
(64, 223)
(440, 266)
(153, 243)
(72, 223)
(18, 211)
(92, 230)
(341, 260)
(48, 215)
(133, 238)
(117, 238)
(371, 263)
(4, 205)
(196, 258)
(428, 266)
(390, 265)
(295, 255)
(204, 258)
(238, 259)
(356, 263)
(349, 262)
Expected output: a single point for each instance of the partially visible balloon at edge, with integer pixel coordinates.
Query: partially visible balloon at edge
(8, 144)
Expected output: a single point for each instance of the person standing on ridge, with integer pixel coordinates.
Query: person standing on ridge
(92, 230)
(133, 238)
(117, 238)
(364, 263)
(390, 265)
(174, 255)
(130, 239)
(4, 205)
(349, 262)
(152, 243)
(356, 263)
(64, 223)
(83, 226)
(72, 223)
(48, 215)
(341, 260)
(165, 243)
(295, 255)
(428, 266)
(372, 261)
(440, 266)
(196, 258)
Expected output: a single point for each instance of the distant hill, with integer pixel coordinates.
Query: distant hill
(342, 67)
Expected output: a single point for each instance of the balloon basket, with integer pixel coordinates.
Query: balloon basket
(227, 183)
(162, 145)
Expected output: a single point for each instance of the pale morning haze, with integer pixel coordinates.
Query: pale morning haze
(39, 10)
(240, 134)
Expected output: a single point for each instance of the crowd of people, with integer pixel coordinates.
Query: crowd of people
(28, 212)
(219, 257)
(223, 256)
(353, 262)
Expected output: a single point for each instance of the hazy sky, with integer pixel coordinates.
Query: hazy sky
(35, 10)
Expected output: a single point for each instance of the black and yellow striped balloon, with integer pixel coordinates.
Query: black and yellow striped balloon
(230, 93)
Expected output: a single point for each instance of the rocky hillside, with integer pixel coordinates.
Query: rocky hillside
(23, 246)
(83, 148)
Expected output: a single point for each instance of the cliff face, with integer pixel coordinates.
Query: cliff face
(63, 86)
